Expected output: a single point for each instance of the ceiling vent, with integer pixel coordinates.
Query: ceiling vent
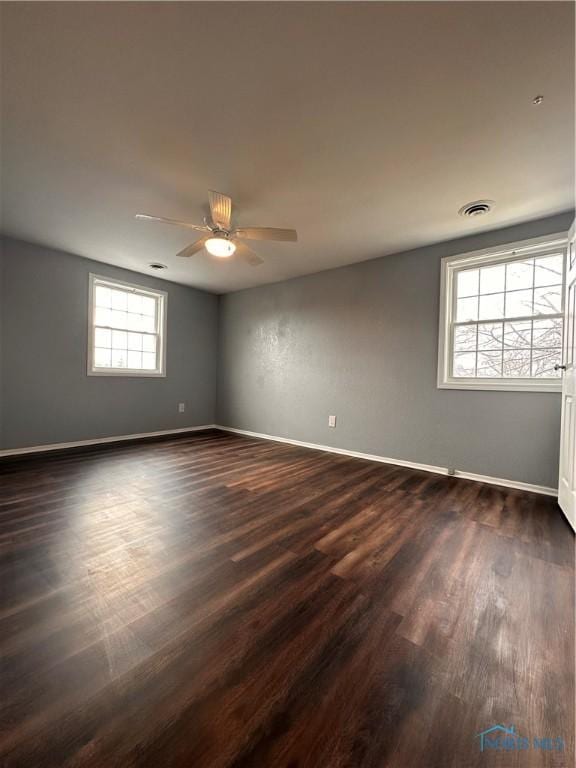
(477, 208)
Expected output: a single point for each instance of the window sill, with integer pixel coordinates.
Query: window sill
(501, 386)
(125, 373)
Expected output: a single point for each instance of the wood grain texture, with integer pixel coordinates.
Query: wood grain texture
(218, 601)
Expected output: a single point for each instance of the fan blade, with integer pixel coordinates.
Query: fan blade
(248, 255)
(190, 250)
(266, 233)
(220, 209)
(176, 222)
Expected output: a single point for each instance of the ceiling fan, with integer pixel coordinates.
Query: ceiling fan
(222, 240)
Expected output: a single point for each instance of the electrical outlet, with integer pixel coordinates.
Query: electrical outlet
(331, 421)
(181, 407)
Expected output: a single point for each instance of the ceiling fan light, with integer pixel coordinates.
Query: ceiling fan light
(220, 246)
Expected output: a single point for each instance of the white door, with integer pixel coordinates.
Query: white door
(567, 478)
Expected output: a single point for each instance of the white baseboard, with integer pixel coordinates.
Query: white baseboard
(101, 440)
(400, 462)
(315, 446)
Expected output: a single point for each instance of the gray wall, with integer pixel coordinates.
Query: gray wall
(361, 342)
(46, 394)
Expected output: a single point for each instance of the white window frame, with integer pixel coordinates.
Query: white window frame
(161, 298)
(539, 246)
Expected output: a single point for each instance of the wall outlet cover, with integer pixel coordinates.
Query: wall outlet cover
(181, 407)
(331, 421)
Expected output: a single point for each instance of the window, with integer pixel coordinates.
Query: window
(126, 329)
(502, 316)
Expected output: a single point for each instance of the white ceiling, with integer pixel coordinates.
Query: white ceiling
(363, 125)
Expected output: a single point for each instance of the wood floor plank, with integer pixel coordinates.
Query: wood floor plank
(214, 600)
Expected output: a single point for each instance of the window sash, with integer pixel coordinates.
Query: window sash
(159, 332)
(531, 348)
(517, 319)
(451, 267)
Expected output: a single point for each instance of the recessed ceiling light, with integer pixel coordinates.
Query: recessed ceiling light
(157, 266)
(477, 208)
(538, 99)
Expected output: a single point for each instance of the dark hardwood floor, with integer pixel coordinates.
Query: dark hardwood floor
(222, 601)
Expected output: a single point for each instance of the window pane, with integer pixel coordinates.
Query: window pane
(119, 358)
(141, 323)
(148, 306)
(548, 270)
(547, 333)
(102, 358)
(543, 362)
(492, 279)
(489, 364)
(519, 274)
(118, 319)
(517, 335)
(119, 300)
(135, 341)
(516, 363)
(464, 337)
(103, 296)
(102, 337)
(134, 359)
(467, 283)
(119, 340)
(149, 343)
(102, 316)
(135, 303)
(490, 336)
(547, 301)
(491, 306)
(148, 361)
(518, 303)
(148, 323)
(467, 309)
(464, 364)
(133, 322)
